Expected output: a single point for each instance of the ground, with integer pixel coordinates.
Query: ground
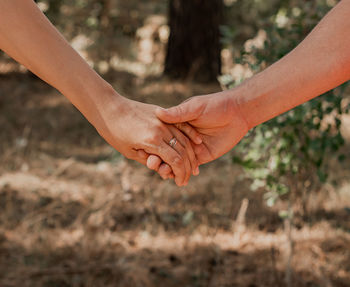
(76, 213)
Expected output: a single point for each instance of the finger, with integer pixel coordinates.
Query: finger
(184, 148)
(184, 112)
(190, 132)
(160, 146)
(183, 153)
(152, 161)
(185, 142)
(139, 156)
(202, 154)
(155, 163)
(175, 160)
(165, 171)
(142, 154)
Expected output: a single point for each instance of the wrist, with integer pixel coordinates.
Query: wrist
(97, 101)
(241, 106)
(252, 100)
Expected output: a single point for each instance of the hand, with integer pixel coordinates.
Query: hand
(217, 119)
(133, 129)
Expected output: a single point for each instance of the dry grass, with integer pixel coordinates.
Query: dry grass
(73, 213)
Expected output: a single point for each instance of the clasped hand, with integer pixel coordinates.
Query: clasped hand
(134, 130)
(216, 118)
(205, 128)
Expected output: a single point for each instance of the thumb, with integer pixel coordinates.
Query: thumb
(185, 112)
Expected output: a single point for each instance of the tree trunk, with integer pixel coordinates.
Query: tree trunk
(54, 9)
(194, 43)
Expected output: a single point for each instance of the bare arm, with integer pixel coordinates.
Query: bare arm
(320, 63)
(130, 127)
(28, 37)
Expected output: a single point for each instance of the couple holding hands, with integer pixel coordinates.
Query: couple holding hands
(176, 141)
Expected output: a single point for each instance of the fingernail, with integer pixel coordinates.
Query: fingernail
(196, 171)
(199, 140)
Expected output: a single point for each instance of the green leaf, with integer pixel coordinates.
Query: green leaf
(341, 157)
(322, 176)
(187, 218)
(284, 214)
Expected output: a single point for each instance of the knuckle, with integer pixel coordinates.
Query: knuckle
(152, 139)
(129, 155)
(198, 104)
(191, 99)
(184, 129)
(187, 142)
(197, 100)
(159, 126)
(178, 161)
(179, 126)
(178, 109)
(182, 152)
(190, 131)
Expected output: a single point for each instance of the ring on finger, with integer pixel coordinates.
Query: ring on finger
(173, 142)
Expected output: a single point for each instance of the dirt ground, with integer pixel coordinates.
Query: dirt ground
(75, 213)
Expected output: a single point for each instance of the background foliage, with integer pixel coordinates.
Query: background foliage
(73, 213)
(292, 151)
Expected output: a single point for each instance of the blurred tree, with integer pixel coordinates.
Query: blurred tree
(290, 155)
(194, 42)
(54, 8)
(104, 15)
(107, 32)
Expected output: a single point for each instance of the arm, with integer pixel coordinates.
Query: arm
(320, 63)
(28, 37)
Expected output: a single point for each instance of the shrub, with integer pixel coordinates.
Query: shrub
(289, 153)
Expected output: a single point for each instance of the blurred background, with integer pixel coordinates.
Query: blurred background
(273, 212)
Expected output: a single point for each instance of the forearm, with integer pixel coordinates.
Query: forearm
(131, 127)
(28, 37)
(320, 63)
